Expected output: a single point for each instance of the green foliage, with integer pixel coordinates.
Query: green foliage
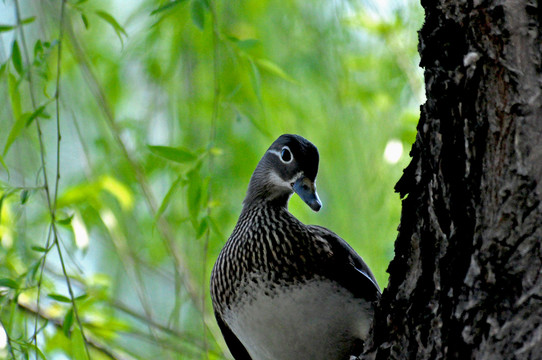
(180, 155)
(125, 163)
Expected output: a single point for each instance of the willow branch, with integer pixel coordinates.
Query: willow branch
(8, 340)
(162, 225)
(212, 136)
(51, 203)
(59, 323)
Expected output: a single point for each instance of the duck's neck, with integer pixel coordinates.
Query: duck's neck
(262, 191)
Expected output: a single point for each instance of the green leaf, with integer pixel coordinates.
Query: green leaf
(78, 345)
(7, 27)
(247, 44)
(23, 120)
(120, 191)
(28, 20)
(178, 154)
(215, 227)
(15, 131)
(67, 323)
(111, 20)
(85, 21)
(4, 195)
(114, 24)
(20, 119)
(25, 194)
(36, 349)
(167, 6)
(274, 69)
(256, 81)
(194, 195)
(16, 57)
(4, 164)
(197, 11)
(81, 297)
(167, 198)
(216, 151)
(39, 249)
(10, 283)
(33, 270)
(38, 113)
(84, 192)
(14, 95)
(66, 221)
(60, 298)
(203, 226)
(38, 49)
(11, 27)
(194, 199)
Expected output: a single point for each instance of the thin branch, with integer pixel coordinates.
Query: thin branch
(136, 315)
(51, 203)
(131, 268)
(170, 342)
(179, 336)
(128, 262)
(57, 177)
(212, 137)
(38, 296)
(162, 225)
(57, 101)
(84, 146)
(8, 340)
(59, 323)
(42, 156)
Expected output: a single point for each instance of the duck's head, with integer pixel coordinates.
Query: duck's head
(289, 165)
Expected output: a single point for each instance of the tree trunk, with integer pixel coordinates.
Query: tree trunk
(466, 280)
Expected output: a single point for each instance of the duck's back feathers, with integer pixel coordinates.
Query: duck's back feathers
(346, 267)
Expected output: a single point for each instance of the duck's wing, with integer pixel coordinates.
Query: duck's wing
(346, 267)
(234, 344)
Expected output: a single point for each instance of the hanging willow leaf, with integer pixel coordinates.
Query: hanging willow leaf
(28, 20)
(4, 164)
(79, 351)
(7, 27)
(85, 21)
(167, 6)
(15, 131)
(167, 198)
(256, 81)
(25, 194)
(119, 30)
(177, 154)
(67, 323)
(60, 298)
(10, 283)
(197, 10)
(194, 193)
(16, 57)
(274, 69)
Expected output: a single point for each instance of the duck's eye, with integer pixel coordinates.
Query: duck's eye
(286, 155)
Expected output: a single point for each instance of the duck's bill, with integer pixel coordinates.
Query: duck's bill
(306, 189)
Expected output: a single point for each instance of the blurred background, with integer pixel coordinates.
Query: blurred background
(163, 109)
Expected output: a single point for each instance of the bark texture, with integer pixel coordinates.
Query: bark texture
(466, 280)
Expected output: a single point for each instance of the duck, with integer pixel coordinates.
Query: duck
(283, 290)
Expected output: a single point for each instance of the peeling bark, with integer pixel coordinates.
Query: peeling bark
(466, 280)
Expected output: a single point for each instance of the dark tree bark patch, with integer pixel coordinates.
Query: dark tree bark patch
(466, 280)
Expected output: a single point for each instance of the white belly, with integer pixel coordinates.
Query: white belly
(319, 320)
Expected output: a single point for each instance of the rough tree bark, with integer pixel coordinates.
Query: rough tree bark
(466, 279)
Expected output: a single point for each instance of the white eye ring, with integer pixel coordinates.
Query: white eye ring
(286, 155)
